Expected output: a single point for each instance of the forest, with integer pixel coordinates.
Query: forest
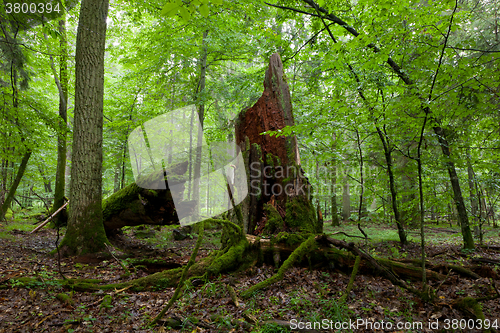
(250, 166)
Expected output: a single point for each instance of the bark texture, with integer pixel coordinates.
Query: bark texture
(279, 194)
(85, 233)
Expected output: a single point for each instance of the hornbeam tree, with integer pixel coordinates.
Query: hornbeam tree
(425, 99)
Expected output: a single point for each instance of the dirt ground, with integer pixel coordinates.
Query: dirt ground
(304, 298)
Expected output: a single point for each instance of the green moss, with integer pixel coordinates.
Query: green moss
(87, 235)
(247, 143)
(228, 260)
(290, 238)
(470, 303)
(136, 207)
(65, 299)
(231, 233)
(270, 159)
(258, 150)
(119, 200)
(301, 215)
(106, 302)
(274, 221)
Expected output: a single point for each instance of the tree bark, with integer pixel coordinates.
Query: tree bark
(85, 233)
(361, 176)
(62, 217)
(472, 198)
(134, 205)
(455, 185)
(15, 184)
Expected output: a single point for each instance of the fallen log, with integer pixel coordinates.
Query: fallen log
(134, 205)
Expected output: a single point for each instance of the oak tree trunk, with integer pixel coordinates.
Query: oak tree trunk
(85, 233)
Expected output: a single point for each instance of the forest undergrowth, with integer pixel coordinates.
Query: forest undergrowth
(305, 296)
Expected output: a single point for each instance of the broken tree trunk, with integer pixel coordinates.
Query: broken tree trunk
(134, 205)
(279, 193)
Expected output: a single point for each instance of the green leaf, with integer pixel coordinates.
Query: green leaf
(217, 2)
(186, 16)
(204, 10)
(170, 9)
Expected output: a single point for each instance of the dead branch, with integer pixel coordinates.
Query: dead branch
(41, 225)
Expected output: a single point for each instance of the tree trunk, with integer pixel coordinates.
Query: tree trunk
(457, 192)
(335, 215)
(438, 130)
(62, 217)
(279, 193)
(361, 177)
(410, 213)
(15, 184)
(392, 185)
(346, 198)
(201, 115)
(473, 198)
(85, 233)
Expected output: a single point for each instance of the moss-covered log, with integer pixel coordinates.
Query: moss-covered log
(134, 205)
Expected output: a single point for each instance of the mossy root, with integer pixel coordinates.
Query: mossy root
(296, 255)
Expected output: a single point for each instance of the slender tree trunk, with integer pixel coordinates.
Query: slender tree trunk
(60, 186)
(410, 212)
(201, 114)
(117, 175)
(3, 187)
(438, 130)
(457, 191)
(333, 185)
(421, 201)
(15, 184)
(361, 178)
(392, 186)
(335, 215)
(473, 197)
(85, 233)
(346, 198)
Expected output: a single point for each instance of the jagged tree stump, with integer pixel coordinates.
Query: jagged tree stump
(279, 193)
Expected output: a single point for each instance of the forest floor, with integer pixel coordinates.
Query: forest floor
(304, 297)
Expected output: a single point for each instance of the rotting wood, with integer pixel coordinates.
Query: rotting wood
(279, 192)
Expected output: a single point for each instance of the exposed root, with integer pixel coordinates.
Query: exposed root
(296, 255)
(183, 276)
(351, 280)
